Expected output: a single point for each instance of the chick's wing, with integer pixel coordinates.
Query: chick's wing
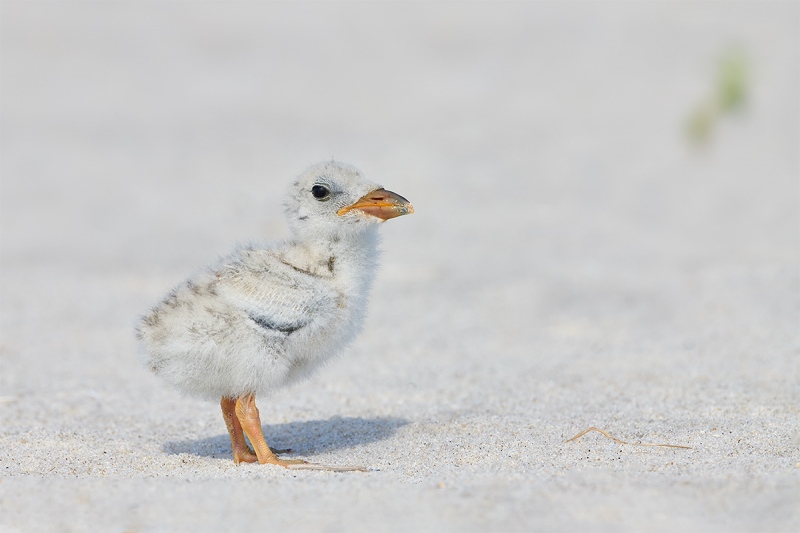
(276, 296)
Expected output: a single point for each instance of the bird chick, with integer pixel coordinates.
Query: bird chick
(265, 317)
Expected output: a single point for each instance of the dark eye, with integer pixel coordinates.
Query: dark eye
(320, 192)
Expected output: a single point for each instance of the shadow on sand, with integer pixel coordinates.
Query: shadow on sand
(304, 438)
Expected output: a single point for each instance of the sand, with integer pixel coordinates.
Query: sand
(576, 259)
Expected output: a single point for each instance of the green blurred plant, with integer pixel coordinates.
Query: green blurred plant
(730, 95)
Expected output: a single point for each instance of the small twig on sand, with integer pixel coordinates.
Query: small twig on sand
(584, 432)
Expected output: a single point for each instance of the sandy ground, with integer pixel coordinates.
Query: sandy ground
(574, 261)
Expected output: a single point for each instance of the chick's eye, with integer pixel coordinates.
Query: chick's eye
(320, 192)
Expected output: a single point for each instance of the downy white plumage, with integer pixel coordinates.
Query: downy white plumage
(264, 317)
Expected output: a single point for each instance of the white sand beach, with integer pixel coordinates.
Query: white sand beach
(578, 257)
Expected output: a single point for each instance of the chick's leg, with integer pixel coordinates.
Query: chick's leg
(241, 451)
(247, 414)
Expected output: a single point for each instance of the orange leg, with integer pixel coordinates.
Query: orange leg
(250, 422)
(241, 451)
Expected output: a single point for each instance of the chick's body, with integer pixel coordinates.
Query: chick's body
(265, 317)
(261, 318)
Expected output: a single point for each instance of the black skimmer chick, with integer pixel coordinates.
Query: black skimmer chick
(264, 317)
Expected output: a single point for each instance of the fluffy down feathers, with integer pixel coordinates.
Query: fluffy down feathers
(262, 318)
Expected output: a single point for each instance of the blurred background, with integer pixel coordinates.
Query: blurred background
(607, 233)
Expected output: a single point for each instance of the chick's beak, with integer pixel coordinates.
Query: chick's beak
(381, 204)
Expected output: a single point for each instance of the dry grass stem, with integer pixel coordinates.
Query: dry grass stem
(584, 432)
